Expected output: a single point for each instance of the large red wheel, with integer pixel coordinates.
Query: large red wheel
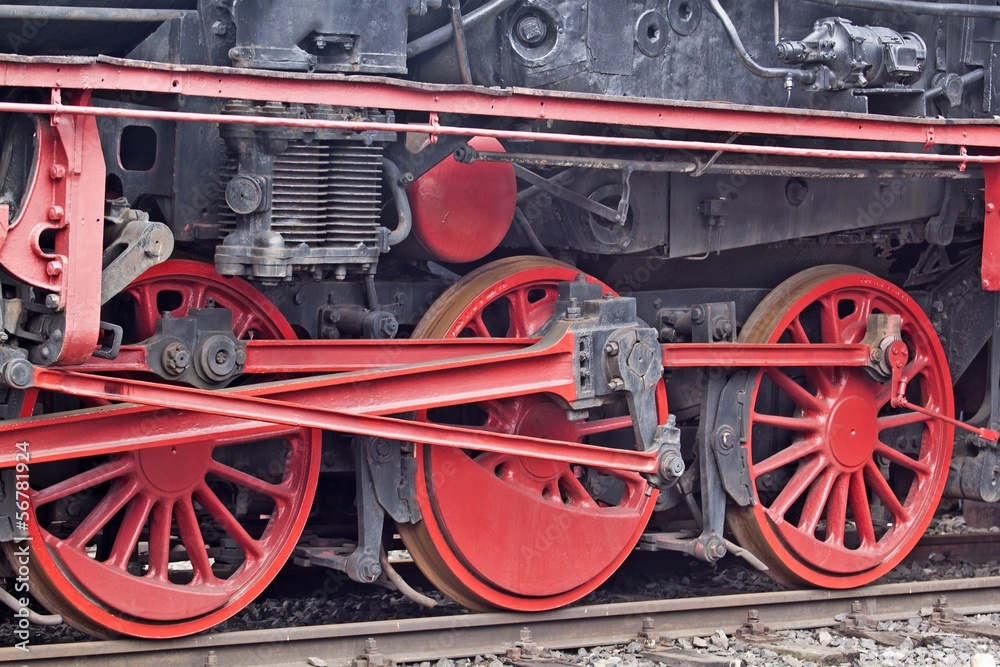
(508, 532)
(170, 541)
(845, 483)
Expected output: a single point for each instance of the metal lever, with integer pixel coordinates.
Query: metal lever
(897, 356)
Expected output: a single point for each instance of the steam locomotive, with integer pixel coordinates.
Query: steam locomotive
(528, 284)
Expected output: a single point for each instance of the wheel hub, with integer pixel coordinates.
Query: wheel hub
(170, 471)
(543, 419)
(852, 428)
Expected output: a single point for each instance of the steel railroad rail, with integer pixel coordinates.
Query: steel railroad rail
(415, 640)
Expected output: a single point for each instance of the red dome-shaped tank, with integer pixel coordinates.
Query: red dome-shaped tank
(461, 212)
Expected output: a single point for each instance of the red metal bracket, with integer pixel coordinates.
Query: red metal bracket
(991, 229)
(65, 202)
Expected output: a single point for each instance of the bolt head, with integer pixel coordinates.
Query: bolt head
(52, 301)
(18, 373)
(54, 268)
(531, 30)
(57, 172)
(56, 213)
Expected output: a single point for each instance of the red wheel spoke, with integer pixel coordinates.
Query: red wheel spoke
(854, 330)
(242, 324)
(194, 542)
(881, 488)
(82, 481)
(816, 501)
(858, 499)
(818, 376)
(798, 333)
(899, 458)
(229, 523)
(159, 539)
(130, 530)
(902, 419)
(478, 327)
(804, 476)
(194, 296)
(829, 317)
(249, 482)
(574, 490)
(797, 451)
(502, 415)
(836, 511)
(799, 394)
(797, 424)
(490, 460)
(103, 512)
(518, 309)
(583, 429)
(146, 311)
(916, 366)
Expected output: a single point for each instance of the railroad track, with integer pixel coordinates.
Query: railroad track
(415, 640)
(963, 547)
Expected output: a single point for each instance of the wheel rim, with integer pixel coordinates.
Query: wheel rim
(137, 544)
(559, 543)
(827, 452)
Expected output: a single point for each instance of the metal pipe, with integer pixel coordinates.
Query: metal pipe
(962, 161)
(655, 166)
(100, 14)
(799, 75)
(395, 182)
(404, 587)
(460, 46)
(441, 35)
(967, 78)
(529, 233)
(915, 7)
(33, 616)
(739, 551)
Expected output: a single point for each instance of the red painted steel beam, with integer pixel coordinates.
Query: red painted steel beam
(329, 356)
(359, 91)
(542, 368)
(339, 356)
(695, 355)
(290, 414)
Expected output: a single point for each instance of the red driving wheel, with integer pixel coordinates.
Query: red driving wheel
(845, 483)
(170, 541)
(511, 532)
